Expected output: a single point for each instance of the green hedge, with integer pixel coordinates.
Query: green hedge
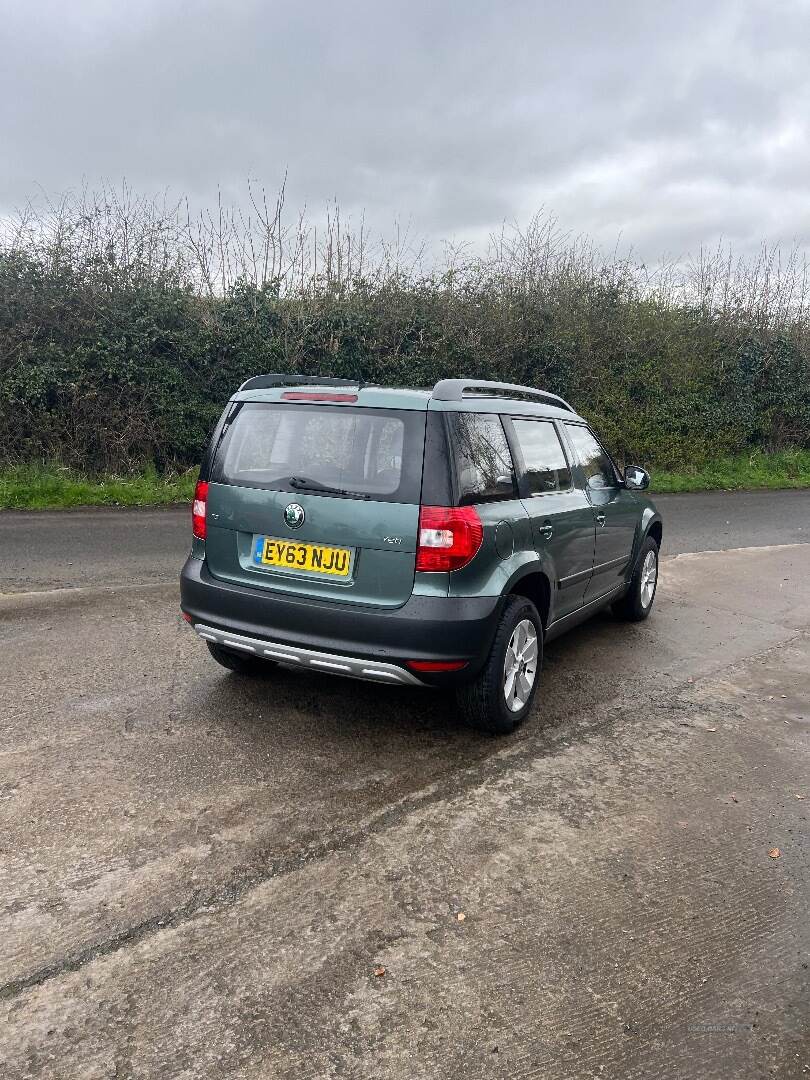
(108, 371)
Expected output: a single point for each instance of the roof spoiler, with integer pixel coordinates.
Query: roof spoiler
(267, 382)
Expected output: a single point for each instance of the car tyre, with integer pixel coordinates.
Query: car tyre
(493, 703)
(239, 662)
(637, 602)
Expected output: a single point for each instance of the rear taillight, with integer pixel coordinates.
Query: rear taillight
(449, 537)
(198, 509)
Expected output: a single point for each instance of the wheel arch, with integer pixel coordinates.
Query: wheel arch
(650, 525)
(535, 586)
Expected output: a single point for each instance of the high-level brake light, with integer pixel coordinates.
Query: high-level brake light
(302, 395)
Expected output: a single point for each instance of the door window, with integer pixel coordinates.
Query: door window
(597, 466)
(545, 467)
(483, 461)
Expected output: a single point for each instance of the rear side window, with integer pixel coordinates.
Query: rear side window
(597, 466)
(544, 463)
(374, 452)
(484, 467)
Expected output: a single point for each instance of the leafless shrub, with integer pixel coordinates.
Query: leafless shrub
(146, 311)
(117, 233)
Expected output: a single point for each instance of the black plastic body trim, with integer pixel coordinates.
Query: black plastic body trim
(604, 566)
(575, 579)
(437, 479)
(641, 537)
(424, 628)
(574, 618)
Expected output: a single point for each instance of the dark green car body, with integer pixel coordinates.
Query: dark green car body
(559, 524)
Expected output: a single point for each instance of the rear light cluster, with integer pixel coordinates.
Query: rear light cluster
(198, 509)
(449, 537)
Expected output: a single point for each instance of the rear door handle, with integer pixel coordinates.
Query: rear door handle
(600, 517)
(547, 530)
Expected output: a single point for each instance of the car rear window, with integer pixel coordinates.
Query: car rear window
(371, 452)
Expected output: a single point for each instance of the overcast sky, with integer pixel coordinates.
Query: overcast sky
(665, 125)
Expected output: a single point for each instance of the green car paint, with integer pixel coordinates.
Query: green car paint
(570, 546)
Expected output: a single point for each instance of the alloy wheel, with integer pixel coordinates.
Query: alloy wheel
(649, 576)
(520, 665)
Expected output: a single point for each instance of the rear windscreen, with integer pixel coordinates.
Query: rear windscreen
(365, 452)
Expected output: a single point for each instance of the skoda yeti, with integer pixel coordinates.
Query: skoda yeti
(414, 537)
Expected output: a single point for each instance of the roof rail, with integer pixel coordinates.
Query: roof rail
(267, 382)
(457, 389)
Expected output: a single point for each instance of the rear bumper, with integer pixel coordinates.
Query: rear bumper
(431, 628)
(332, 663)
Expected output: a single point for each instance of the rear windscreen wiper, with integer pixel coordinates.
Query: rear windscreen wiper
(304, 483)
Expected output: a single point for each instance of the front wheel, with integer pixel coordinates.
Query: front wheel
(501, 696)
(637, 602)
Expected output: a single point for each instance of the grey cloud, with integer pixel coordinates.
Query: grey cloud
(672, 124)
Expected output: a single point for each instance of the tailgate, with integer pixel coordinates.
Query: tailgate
(267, 530)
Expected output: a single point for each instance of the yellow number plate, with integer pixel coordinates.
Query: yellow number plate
(312, 558)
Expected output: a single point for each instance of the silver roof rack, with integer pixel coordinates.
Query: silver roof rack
(458, 389)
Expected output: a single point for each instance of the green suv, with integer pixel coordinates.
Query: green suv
(418, 537)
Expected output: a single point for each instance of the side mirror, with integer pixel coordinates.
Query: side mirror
(636, 479)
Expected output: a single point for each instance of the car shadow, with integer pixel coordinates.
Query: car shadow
(304, 754)
(582, 670)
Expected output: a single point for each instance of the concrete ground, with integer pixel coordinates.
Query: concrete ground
(202, 875)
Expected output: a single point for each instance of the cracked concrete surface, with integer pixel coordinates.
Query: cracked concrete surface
(199, 874)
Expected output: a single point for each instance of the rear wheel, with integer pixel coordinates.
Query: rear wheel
(637, 602)
(501, 696)
(241, 662)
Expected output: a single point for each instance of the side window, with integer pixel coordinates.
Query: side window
(483, 461)
(597, 466)
(543, 457)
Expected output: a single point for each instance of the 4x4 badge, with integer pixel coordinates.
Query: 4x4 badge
(294, 516)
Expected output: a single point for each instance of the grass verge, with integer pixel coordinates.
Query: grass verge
(33, 487)
(787, 469)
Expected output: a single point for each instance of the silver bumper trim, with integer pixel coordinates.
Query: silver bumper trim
(355, 668)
